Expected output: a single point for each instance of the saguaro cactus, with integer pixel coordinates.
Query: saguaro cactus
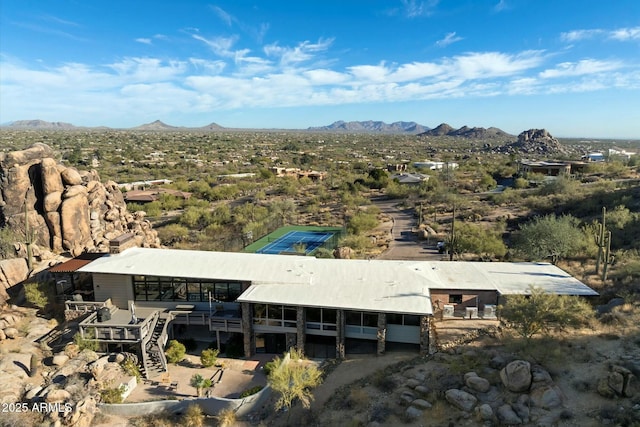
(601, 237)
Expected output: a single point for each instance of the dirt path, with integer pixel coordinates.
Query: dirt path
(404, 244)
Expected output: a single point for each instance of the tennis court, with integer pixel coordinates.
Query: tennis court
(295, 241)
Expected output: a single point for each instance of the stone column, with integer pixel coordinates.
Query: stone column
(424, 335)
(382, 332)
(301, 325)
(340, 331)
(249, 339)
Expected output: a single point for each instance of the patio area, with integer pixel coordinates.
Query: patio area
(229, 382)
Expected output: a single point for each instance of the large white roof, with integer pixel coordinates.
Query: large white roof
(376, 285)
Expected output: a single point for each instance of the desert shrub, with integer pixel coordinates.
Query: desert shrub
(251, 391)
(86, 343)
(361, 222)
(112, 395)
(226, 418)
(132, 369)
(39, 294)
(358, 399)
(383, 382)
(379, 413)
(8, 237)
(356, 242)
(193, 416)
(175, 351)
(209, 357)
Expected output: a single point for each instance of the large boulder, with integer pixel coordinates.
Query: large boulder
(476, 383)
(461, 399)
(547, 397)
(74, 220)
(12, 272)
(51, 179)
(508, 416)
(516, 376)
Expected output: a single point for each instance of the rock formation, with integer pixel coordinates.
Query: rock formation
(534, 141)
(66, 209)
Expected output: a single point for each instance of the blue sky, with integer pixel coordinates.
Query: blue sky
(570, 66)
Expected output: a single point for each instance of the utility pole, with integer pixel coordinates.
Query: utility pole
(452, 240)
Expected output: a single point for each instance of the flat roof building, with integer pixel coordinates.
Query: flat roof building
(279, 301)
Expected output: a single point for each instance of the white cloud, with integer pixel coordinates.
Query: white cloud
(369, 73)
(577, 35)
(624, 34)
(448, 39)
(583, 67)
(148, 69)
(302, 52)
(620, 34)
(143, 40)
(481, 65)
(415, 9)
(325, 77)
(213, 67)
(223, 15)
(219, 45)
(500, 6)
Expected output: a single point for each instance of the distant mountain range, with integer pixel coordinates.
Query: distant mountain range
(369, 126)
(465, 131)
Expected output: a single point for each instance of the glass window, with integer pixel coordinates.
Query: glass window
(260, 311)
(354, 318)
(411, 320)
(370, 319)
(235, 289)
(140, 290)
(180, 290)
(193, 289)
(222, 291)
(206, 289)
(274, 312)
(455, 299)
(329, 315)
(395, 319)
(313, 314)
(290, 313)
(166, 290)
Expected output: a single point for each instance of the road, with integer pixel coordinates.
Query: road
(404, 244)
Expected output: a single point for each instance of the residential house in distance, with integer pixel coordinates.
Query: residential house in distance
(298, 173)
(407, 178)
(269, 303)
(435, 165)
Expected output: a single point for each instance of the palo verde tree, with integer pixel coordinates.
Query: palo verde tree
(293, 378)
(541, 312)
(550, 237)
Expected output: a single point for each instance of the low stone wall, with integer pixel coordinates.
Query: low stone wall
(210, 405)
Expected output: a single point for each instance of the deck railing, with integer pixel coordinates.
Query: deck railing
(90, 328)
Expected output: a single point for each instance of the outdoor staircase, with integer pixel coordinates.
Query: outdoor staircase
(154, 361)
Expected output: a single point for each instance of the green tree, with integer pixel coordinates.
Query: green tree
(293, 380)
(540, 312)
(199, 382)
(478, 240)
(175, 351)
(550, 237)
